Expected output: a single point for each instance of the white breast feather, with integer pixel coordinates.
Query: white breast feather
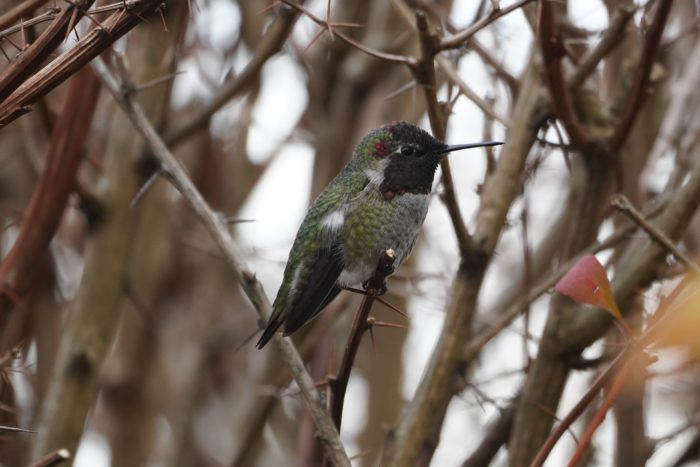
(333, 221)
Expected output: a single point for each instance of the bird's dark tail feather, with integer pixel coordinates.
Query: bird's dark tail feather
(269, 332)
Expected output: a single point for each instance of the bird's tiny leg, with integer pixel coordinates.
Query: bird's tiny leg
(380, 290)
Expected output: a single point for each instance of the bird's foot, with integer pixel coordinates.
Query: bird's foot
(380, 290)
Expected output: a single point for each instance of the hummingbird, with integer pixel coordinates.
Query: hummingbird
(378, 201)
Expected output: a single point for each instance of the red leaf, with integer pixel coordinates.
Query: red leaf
(587, 283)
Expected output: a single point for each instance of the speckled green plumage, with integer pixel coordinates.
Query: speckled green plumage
(340, 191)
(311, 236)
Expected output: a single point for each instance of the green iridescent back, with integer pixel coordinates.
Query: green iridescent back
(312, 235)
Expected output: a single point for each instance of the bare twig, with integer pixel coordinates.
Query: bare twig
(496, 436)
(680, 106)
(480, 102)
(459, 39)
(91, 45)
(622, 204)
(401, 59)
(36, 53)
(385, 267)
(635, 349)
(424, 74)
(19, 11)
(475, 344)
(269, 45)
(552, 47)
(54, 12)
(638, 93)
(45, 210)
(611, 396)
(53, 458)
(610, 40)
(577, 410)
(414, 440)
(634, 273)
(176, 174)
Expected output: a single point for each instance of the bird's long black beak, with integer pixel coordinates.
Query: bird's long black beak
(459, 147)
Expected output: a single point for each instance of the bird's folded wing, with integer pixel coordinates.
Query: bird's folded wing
(319, 290)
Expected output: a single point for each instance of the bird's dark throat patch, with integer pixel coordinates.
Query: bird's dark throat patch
(408, 175)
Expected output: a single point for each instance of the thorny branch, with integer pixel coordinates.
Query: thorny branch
(24, 93)
(37, 52)
(18, 12)
(360, 325)
(174, 172)
(459, 39)
(57, 457)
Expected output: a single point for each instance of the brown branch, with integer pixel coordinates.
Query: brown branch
(552, 47)
(401, 59)
(638, 93)
(622, 204)
(14, 429)
(53, 458)
(31, 58)
(415, 439)
(19, 11)
(218, 230)
(506, 317)
(681, 105)
(54, 12)
(498, 67)
(424, 74)
(360, 325)
(50, 196)
(565, 423)
(43, 18)
(480, 102)
(496, 436)
(69, 62)
(635, 349)
(269, 45)
(459, 39)
(608, 42)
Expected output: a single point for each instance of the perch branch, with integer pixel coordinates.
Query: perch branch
(53, 458)
(360, 325)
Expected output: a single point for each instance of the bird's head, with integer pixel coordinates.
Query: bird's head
(400, 157)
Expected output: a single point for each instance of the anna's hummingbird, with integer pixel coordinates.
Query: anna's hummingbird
(378, 201)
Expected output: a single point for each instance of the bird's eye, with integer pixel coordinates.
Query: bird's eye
(408, 151)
